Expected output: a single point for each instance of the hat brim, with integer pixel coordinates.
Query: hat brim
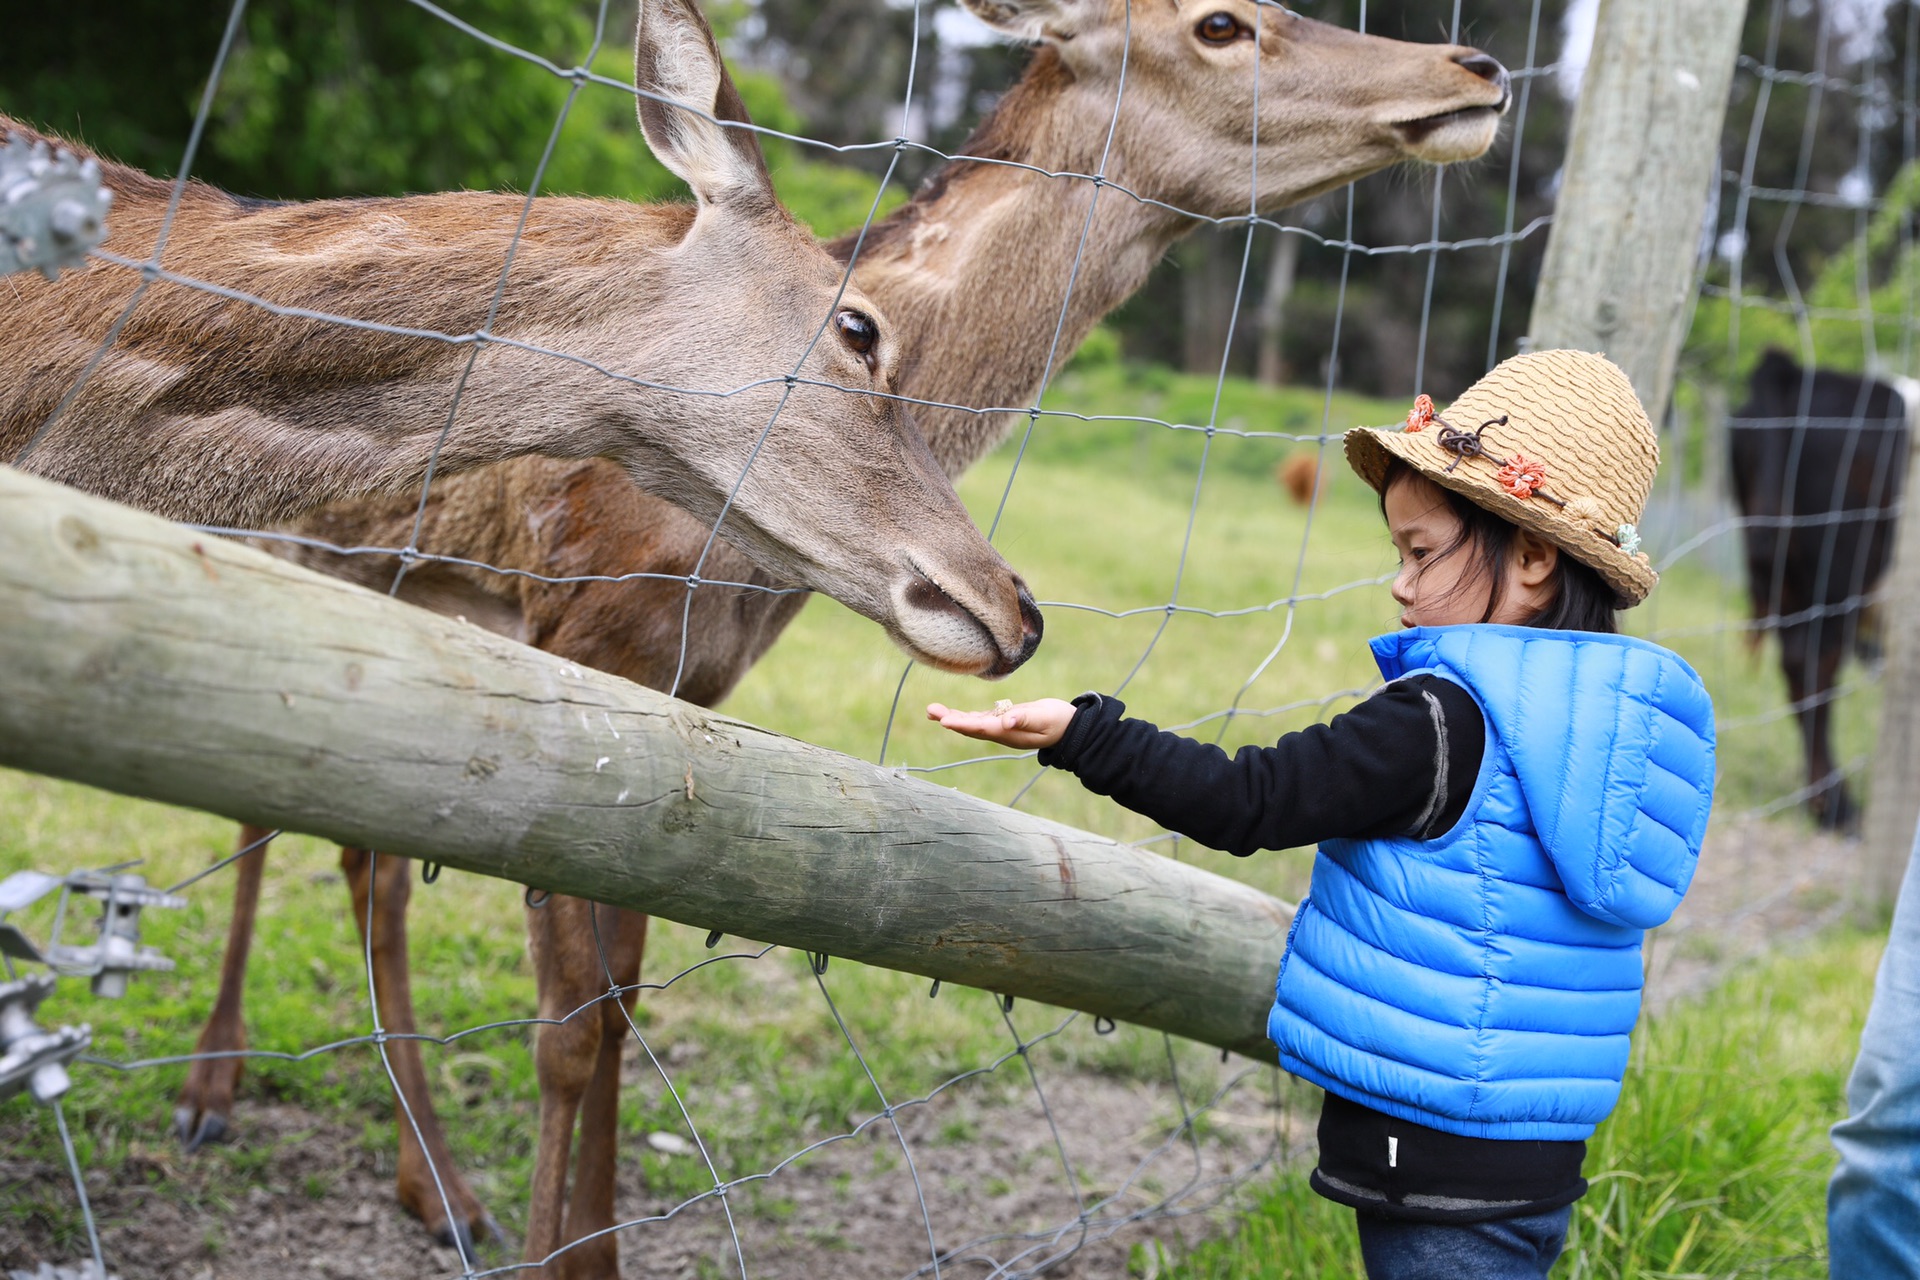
(1371, 450)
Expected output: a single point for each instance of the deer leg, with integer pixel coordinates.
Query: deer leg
(204, 1112)
(1810, 666)
(623, 936)
(1840, 813)
(423, 1145)
(567, 974)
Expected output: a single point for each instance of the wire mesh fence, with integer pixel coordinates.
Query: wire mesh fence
(785, 1115)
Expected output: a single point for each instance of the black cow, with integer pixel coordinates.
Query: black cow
(1818, 466)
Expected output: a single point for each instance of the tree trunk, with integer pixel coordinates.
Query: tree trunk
(1271, 370)
(1619, 264)
(1211, 268)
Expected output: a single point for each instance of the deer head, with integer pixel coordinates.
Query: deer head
(842, 493)
(749, 390)
(1332, 105)
(980, 260)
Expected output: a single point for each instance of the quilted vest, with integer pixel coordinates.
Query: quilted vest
(1485, 982)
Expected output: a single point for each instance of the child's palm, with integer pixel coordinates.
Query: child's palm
(1026, 725)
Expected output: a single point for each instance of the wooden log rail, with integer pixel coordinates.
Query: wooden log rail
(145, 658)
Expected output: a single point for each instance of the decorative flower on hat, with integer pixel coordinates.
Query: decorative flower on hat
(1629, 538)
(1522, 476)
(1422, 414)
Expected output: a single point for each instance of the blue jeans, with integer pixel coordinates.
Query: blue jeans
(1503, 1249)
(1873, 1202)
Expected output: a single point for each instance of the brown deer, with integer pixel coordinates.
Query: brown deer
(975, 268)
(711, 317)
(211, 408)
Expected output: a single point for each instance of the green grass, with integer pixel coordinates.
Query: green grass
(1714, 1165)
(1098, 517)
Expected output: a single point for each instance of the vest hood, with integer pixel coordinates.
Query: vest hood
(1612, 741)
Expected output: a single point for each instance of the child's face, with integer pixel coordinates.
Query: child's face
(1442, 583)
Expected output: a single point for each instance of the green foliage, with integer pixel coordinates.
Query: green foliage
(368, 98)
(1858, 314)
(1101, 348)
(324, 98)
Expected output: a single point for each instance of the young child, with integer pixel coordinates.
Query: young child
(1497, 826)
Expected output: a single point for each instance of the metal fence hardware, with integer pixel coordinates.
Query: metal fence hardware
(32, 1058)
(52, 208)
(116, 954)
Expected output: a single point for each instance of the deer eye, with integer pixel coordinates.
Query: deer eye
(860, 333)
(1220, 28)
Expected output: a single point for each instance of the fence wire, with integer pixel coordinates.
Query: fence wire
(1081, 1191)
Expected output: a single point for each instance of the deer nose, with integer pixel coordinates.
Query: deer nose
(1488, 69)
(1031, 627)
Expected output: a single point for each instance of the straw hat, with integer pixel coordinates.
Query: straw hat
(1553, 441)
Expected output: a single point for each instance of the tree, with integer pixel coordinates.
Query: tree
(323, 98)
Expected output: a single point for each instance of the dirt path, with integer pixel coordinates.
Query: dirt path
(319, 1205)
(1762, 886)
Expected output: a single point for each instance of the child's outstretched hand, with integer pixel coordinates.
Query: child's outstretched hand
(1023, 724)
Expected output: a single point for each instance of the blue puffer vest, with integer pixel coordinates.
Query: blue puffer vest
(1484, 983)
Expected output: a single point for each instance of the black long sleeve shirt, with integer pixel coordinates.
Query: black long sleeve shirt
(1401, 763)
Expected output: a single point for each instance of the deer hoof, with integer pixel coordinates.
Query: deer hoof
(462, 1235)
(455, 1234)
(211, 1128)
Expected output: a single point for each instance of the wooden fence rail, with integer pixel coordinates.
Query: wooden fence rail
(142, 657)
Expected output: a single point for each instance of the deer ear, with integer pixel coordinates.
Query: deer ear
(1035, 21)
(675, 56)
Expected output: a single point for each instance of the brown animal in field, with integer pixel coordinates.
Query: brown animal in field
(974, 270)
(1299, 475)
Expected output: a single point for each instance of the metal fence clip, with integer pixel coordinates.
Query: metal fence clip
(31, 1057)
(52, 208)
(115, 954)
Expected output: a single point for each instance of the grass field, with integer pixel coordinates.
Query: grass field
(1097, 518)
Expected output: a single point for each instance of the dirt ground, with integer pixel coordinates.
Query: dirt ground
(998, 1200)
(848, 1210)
(1762, 886)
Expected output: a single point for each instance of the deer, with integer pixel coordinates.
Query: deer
(975, 268)
(711, 352)
(693, 338)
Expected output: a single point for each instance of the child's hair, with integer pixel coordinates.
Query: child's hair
(1582, 601)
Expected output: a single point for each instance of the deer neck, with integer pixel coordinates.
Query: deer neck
(972, 273)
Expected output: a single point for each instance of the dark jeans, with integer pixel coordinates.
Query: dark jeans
(1503, 1249)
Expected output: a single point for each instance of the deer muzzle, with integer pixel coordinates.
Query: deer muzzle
(1466, 131)
(987, 634)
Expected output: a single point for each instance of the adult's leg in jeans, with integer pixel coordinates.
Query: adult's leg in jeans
(1873, 1202)
(1504, 1249)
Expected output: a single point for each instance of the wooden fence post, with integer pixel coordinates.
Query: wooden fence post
(1893, 807)
(148, 659)
(1644, 152)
